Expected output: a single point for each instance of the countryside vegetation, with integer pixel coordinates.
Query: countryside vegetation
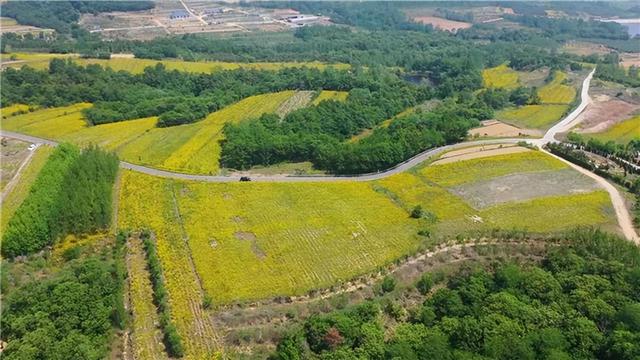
(313, 191)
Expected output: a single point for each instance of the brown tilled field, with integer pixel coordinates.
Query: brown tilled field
(442, 24)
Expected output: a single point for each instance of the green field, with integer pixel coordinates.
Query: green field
(533, 116)
(622, 132)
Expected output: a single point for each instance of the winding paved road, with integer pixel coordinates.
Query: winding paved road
(622, 213)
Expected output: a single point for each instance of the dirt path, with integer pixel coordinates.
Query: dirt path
(622, 213)
(11, 184)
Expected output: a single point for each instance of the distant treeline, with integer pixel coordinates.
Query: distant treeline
(63, 16)
(71, 195)
(581, 301)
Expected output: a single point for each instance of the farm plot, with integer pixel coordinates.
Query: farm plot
(137, 66)
(192, 148)
(13, 110)
(148, 203)
(501, 76)
(330, 95)
(147, 337)
(461, 172)
(556, 92)
(259, 240)
(622, 132)
(533, 116)
(524, 186)
(528, 190)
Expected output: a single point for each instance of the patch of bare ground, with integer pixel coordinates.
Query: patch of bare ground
(630, 59)
(604, 112)
(259, 326)
(251, 238)
(496, 128)
(441, 23)
(585, 48)
(477, 152)
(299, 100)
(14, 154)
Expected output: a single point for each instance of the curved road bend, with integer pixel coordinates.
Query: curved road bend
(622, 213)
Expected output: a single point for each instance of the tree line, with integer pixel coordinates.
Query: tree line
(581, 301)
(71, 195)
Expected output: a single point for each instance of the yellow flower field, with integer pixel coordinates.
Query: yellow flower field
(460, 172)
(330, 95)
(191, 148)
(13, 109)
(501, 76)
(200, 154)
(533, 116)
(622, 132)
(553, 213)
(147, 202)
(555, 92)
(136, 66)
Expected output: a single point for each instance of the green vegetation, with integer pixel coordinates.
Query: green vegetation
(500, 77)
(67, 309)
(533, 116)
(580, 302)
(71, 195)
(171, 337)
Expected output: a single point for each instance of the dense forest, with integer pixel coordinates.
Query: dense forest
(581, 301)
(71, 195)
(69, 310)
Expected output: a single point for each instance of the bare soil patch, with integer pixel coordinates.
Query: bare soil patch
(629, 59)
(12, 154)
(478, 152)
(442, 24)
(585, 48)
(605, 112)
(496, 128)
(522, 187)
(251, 237)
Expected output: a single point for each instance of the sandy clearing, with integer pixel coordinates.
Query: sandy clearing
(605, 112)
(480, 152)
(629, 59)
(442, 24)
(496, 128)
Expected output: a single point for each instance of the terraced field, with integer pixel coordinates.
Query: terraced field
(136, 66)
(501, 76)
(556, 92)
(533, 116)
(622, 132)
(190, 148)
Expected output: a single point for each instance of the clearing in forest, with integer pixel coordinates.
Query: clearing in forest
(501, 76)
(297, 101)
(556, 92)
(330, 95)
(190, 148)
